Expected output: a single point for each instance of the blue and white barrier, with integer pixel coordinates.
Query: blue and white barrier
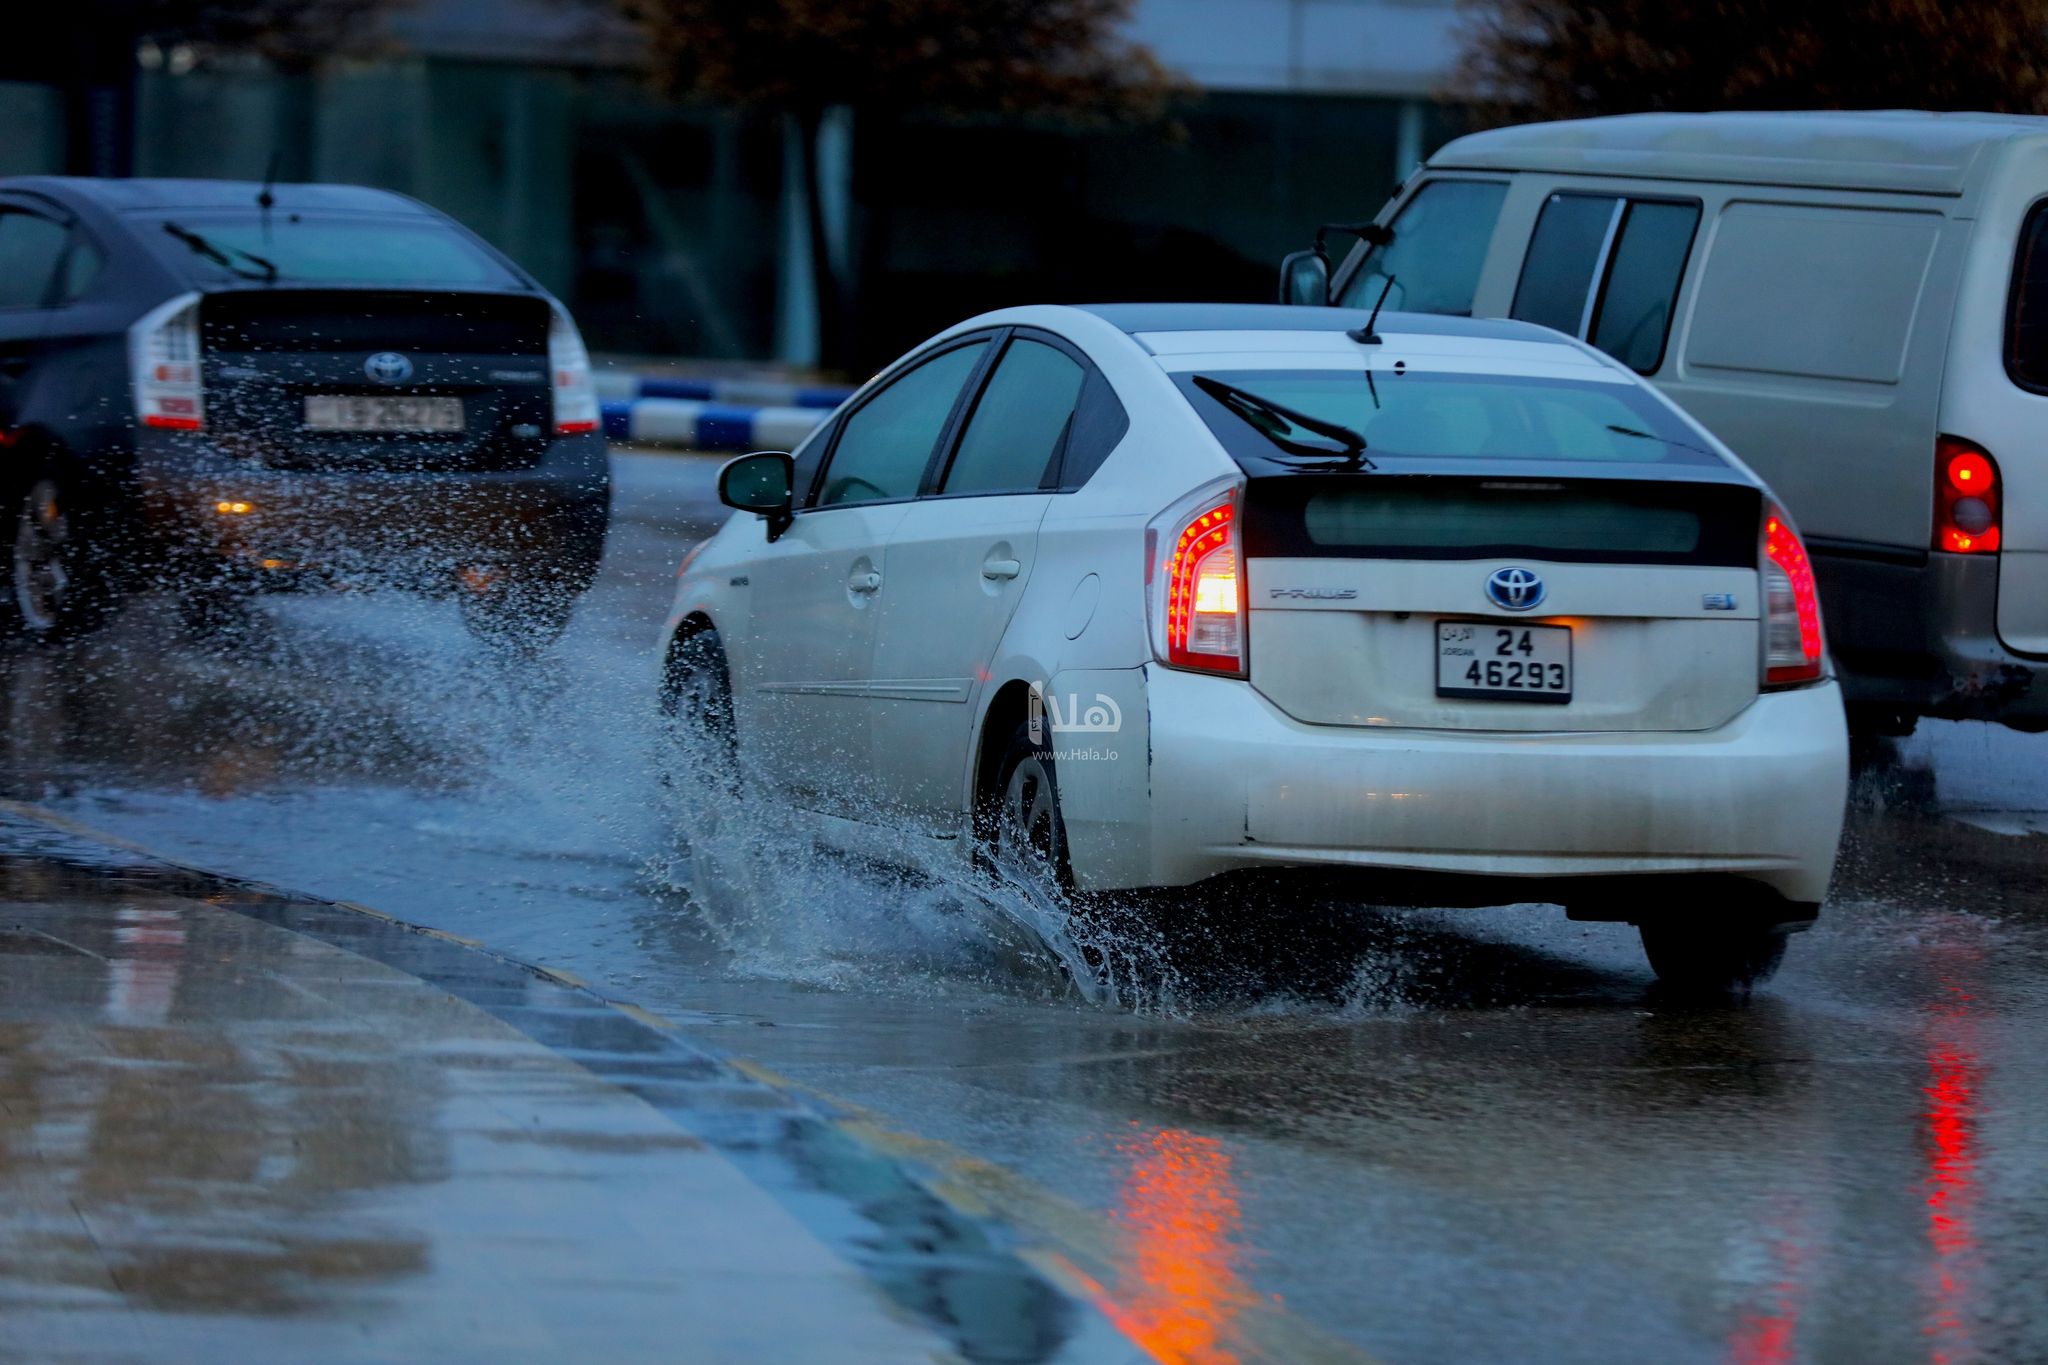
(698, 425)
(624, 386)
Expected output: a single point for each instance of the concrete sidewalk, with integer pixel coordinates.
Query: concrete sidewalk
(241, 1125)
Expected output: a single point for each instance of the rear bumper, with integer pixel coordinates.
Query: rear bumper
(414, 528)
(1236, 784)
(1920, 636)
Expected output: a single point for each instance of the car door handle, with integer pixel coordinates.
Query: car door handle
(1001, 568)
(14, 365)
(865, 582)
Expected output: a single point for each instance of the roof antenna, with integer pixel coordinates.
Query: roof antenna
(1366, 336)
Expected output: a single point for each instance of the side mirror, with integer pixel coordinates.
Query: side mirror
(762, 482)
(1305, 278)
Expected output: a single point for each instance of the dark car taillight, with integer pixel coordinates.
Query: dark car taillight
(576, 407)
(163, 366)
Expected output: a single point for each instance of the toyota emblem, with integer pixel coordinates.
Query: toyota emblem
(1514, 589)
(388, 367)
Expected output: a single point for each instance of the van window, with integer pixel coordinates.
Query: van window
(1572, 236)
(1441, 237)
(1606, 269)
(1820, 292)
(1633, 318)
(2026, 337)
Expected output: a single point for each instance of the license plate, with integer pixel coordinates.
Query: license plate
(1497, 661)
(345, 412)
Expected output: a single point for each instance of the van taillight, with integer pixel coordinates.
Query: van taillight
(1966, 498)
(163, 366)
(1794, 649)
(569, 366)
(1194, 576)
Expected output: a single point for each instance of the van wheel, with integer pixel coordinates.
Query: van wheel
(53, 589)
(1708, 957)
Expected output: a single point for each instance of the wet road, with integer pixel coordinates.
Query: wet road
(1417, 1137)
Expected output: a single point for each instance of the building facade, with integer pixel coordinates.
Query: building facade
(679, 231)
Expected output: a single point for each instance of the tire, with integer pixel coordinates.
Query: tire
(697, 711)
(55, 589)
(1709, 957)
(1022, 829)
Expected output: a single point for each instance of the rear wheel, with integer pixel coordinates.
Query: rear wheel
(54, 588)
(1021, 825)
(1706, 957)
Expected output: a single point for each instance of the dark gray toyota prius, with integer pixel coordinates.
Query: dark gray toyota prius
(229, 389)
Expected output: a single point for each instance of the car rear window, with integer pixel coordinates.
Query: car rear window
(326, 249)
(1389, 516)
(1434, 416)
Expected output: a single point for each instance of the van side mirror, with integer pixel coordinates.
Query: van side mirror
(1305, 278)
(762, 482)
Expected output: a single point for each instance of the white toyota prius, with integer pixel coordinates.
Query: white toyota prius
(1431, 610)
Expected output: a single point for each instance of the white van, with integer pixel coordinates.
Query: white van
(1857, 303)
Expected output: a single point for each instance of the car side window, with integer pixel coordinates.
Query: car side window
(81, 267)
(1019, 422)
(2026, 334)
(30, 248)
(1441, 238)
(1606, 268)
(886, 444)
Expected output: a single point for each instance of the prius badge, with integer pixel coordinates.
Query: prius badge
(1514, 589)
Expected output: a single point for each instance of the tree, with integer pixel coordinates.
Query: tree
(1574, 58)
(801, 58)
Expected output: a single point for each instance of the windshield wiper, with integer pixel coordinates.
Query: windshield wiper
(218, 254)
(1653, 436)
(1271, 419)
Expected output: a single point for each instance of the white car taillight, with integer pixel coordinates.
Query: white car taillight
(575, 395)
(1795, 652)
(163, 366)
(1194, 582)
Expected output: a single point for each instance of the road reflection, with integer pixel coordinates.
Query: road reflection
(1767, 1332)
(1954, 1082)
(1181, 1293)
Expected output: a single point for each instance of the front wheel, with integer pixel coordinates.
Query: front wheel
(1705, 957)
(54, 591)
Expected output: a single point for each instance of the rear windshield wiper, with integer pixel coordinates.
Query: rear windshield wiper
(1271, 420)
(1653, 436)
(266, 270)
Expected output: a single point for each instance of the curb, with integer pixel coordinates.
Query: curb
(701, 425)
(744, 393)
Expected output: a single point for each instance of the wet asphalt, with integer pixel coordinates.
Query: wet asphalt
(1411, 1136)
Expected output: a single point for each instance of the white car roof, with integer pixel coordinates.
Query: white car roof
(1898, 150)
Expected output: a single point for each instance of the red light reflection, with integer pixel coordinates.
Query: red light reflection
(1765, 1334)
(1180, 1293)
(1955, 1079)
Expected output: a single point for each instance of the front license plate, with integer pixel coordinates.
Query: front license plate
(346, 412)
(1496, 661)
